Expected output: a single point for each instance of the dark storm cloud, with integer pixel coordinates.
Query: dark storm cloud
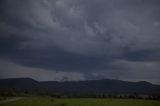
(81, 35)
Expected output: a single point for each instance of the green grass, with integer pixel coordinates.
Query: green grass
(46, 101)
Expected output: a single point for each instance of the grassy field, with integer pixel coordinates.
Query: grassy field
(46, 101)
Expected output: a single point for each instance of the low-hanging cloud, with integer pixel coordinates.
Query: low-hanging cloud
(81, 36)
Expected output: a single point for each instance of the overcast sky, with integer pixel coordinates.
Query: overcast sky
(80, 39)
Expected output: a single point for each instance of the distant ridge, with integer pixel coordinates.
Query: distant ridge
(104, 86)
(19, 84)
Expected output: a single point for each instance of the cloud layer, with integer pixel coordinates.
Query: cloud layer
(113, 38)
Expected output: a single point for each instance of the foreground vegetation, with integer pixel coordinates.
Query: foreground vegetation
(48, 101)
(4, 98)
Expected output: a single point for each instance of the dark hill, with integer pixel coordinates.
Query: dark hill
(20, 85)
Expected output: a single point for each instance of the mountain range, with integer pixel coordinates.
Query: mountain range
(80, 88)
